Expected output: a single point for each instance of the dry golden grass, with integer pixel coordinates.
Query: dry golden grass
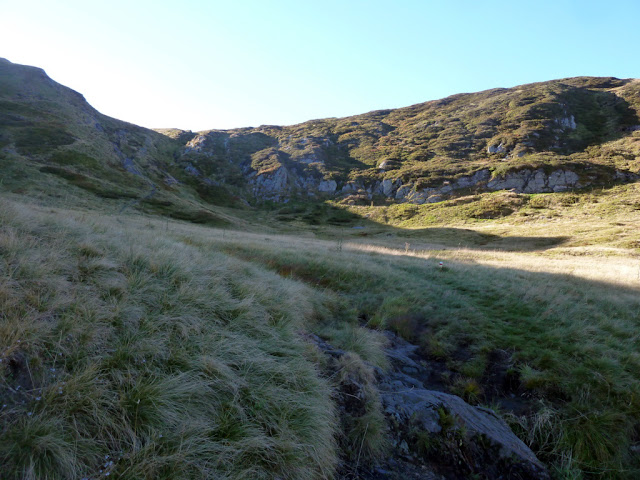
(614, 266)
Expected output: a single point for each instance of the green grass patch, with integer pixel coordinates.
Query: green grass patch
(40, 139)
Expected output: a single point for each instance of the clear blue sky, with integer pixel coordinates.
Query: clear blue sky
(222, 64)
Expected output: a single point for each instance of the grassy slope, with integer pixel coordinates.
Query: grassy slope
(603, 217)
(554, 285)
(154, 356)
(52, 140)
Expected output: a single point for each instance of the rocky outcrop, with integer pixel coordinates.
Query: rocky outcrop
(526, 180)
(196, 144)
(567, 122)
(327, 186)
(281, 183)
(496, 148)
(536, 181)
(435, 435)
(400, 192)
(313, 155)
(387, 187)
(459, 440)
(271, 185)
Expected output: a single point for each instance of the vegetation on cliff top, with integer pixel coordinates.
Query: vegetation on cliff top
(583, 121)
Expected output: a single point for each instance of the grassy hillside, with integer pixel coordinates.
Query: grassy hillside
(130, 347)
(50, 136)
(53, 143)
(174, 350)
(545, 332)
(589, 123)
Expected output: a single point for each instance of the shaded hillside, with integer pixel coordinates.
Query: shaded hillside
(50, 137)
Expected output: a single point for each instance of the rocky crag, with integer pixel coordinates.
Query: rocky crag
(546, 137)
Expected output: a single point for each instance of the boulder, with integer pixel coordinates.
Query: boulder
(270, 185)
(453, 429)
(535, 182)
(387, 187)
(496, 148)
(434, 435)
(471, 180)
(327, 186)
(403, 192)
(567, 122)
(442, 430)
(561, 180)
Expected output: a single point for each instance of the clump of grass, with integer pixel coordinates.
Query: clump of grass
(467, 388)
(134, 355)
(366, 343)
(364, 424)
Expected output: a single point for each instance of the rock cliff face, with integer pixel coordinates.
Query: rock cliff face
(526, 180)
(281, 184)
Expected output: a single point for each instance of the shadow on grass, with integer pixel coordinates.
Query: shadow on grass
(331, 222)
(448, 238)
(554, 339)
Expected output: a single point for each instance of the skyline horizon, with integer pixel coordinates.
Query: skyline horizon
(316, 118)
(217, 65)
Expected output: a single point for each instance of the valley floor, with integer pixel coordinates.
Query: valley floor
(143, 347)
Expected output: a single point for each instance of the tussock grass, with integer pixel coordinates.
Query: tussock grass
(364, 426)
(150, 356)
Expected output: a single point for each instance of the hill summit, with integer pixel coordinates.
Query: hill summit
(553, 136)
